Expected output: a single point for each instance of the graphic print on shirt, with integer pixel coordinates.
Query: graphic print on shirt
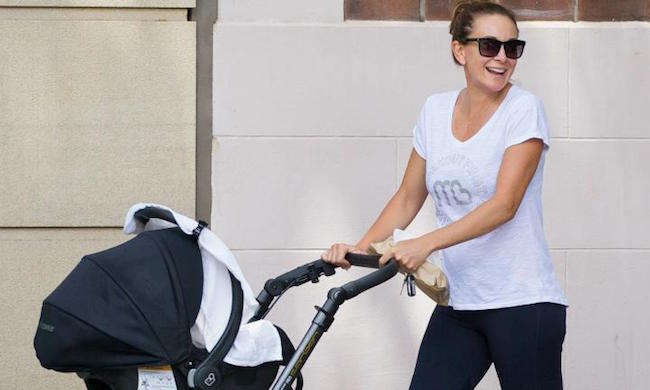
(460, 195)
(456, 187)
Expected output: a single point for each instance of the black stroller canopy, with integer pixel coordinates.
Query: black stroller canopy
(130, 305)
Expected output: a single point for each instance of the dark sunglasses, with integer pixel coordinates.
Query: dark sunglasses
(490, 47)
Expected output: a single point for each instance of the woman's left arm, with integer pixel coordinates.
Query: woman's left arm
(518, 166)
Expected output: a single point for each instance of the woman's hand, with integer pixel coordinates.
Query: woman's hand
(336, 254)
(409, 254)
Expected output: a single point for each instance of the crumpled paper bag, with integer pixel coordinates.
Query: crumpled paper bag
(428, 277)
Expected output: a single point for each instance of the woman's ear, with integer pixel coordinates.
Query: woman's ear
(458, 50)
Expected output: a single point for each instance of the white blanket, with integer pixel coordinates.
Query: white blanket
(257, 342)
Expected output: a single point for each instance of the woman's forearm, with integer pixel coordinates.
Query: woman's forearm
(398, 213)
(517, 169)
(485, 218)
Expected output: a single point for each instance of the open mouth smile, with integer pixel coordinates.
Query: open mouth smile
(498, 71)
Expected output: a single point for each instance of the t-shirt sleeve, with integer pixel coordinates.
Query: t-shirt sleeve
(527, 122)
(419, 135)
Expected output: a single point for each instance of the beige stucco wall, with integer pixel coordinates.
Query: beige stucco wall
(312, 126)
(97, 112)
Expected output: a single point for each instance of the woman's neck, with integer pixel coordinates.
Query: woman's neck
(476, 99)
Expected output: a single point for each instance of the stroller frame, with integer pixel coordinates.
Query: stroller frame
(324, 314)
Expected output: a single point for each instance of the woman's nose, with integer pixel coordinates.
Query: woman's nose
(501, 55)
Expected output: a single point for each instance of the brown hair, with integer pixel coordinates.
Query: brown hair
(463, 15)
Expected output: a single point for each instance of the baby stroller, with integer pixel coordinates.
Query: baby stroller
(135, 309)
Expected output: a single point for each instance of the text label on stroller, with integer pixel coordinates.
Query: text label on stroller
(156, 378)
(46, 327)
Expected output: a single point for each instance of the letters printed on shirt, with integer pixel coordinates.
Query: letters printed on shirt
(455, 184)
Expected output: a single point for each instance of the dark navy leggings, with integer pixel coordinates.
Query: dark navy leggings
(523, 342)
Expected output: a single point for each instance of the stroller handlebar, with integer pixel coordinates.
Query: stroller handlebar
(362, 260)
(356, 287)
(313, 271)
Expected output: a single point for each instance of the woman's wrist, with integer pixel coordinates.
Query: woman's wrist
(431, 241)
(362, 246)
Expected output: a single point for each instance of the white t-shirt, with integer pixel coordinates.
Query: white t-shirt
(511, 265)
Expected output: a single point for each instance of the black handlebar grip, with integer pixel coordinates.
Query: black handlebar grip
(150, 212)
(356, 287)
(361, 260)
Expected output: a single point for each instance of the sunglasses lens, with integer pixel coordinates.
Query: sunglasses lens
(514, 49)
(489, 47)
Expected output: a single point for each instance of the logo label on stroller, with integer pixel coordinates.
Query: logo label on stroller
(209, 381)
(156, 378)
(46, 327)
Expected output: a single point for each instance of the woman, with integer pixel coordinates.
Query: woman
(480, 153)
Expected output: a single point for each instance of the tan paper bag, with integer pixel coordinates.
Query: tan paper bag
(428, 277)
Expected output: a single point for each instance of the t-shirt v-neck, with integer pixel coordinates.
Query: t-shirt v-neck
(485, 126)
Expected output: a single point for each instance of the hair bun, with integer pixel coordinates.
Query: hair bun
(464, 11)
(459, 6)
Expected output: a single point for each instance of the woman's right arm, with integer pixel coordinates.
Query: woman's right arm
(398, 212)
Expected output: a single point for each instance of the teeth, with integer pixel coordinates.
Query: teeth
(497, 70)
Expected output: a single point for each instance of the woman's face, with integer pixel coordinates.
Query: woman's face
(490, 74)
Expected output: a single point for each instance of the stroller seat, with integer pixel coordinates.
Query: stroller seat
(153, 304)
(137, 305)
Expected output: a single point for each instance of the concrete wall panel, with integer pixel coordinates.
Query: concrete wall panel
(281, 11)
(298, 192)
(103, 14)
(150, 79)
(357, 78)
(607, 338)
(595, 194)
(543, 70)
(341, 79)
(100, 3)
(609, 80)
(91, 107)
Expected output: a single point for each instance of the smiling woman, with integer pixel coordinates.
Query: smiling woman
(479, 152)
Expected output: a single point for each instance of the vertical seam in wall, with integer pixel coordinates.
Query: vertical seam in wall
(423, 10)
(568, 83)
(204, 15)
(575, 10)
